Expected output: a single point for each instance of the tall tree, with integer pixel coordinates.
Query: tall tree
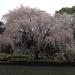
(32, 23)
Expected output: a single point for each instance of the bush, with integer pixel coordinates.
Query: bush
(6, 44)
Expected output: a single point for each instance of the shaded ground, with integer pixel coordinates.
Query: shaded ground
(35, 70)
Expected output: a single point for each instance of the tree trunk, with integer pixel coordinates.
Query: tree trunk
(35, 53)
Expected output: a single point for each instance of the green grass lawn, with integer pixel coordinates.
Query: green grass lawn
(5, 56)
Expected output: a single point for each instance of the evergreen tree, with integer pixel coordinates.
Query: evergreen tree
(67, 10)
(2, 27)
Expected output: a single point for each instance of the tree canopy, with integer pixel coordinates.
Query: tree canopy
(38, 31)
(67, 10)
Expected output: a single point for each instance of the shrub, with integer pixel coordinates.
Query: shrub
(6, 44)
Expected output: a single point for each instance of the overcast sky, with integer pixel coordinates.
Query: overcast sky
(47, 5)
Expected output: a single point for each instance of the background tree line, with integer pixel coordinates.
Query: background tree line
(68, 10)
